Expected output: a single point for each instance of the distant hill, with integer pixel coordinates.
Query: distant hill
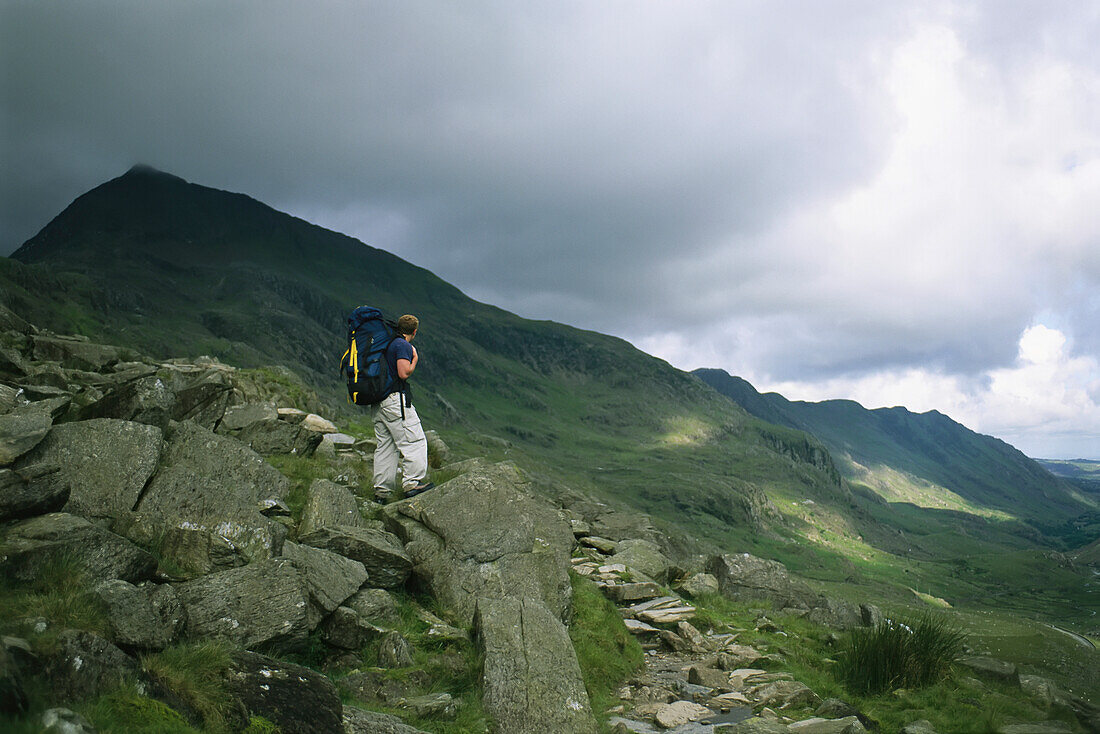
(925, 458)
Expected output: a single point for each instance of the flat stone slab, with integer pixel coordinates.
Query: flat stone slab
(330, 577)
(625, 593)
(102, 554)
(380, 552)
(329, 505)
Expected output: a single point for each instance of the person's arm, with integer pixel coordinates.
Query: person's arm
(405, 367)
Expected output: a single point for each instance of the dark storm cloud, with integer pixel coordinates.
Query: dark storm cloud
(822, 191)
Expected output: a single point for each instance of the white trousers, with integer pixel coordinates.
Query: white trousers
(401, 443)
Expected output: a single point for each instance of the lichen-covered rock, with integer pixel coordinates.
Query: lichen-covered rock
(103, 555)
(380, 552)
(238, 417)
(699, 584)
(106, 462)
(293, 697)
(532, 682)
(374, 605)
(344, 628)
(394, 651)
(31, 490)
(75, 353)
(280, 437)
(992, 669)
(86, 665)
(744, 577)
(360, 721)
(644, 556)
(482, 535)
(783, 694)
(818, 725)
(145, 400)
(331, 578)
(146, 617)
(21, 429)
(190, 548)
(263, 603)
(204, 476)
(678, 713)
(329, 505)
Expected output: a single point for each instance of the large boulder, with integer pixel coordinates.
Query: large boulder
(189, 548)
(31, 490)
(204, 476)
(146, 617)
(263, 603)
(531, 679)
(86, 665)
(21, 429)
(177, 392)
(744, 577)
(145, 400)
(330, 578)
(75, 353)
(293, 697)
(238, 417)
(482, 535)
(361, 721)
(387, 563)
(106, 462)
(329, 505)
(31, 544)
(644, 556)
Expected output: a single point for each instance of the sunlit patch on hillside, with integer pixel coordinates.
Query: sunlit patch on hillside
(685, 430)
(895, 486)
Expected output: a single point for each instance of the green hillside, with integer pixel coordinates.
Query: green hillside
(927, 459)
(175, 269)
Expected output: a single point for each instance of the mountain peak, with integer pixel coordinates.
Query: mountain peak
(144, 170)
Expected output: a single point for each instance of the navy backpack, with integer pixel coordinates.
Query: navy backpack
(364, 363)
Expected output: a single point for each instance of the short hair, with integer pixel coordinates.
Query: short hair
(407, 324)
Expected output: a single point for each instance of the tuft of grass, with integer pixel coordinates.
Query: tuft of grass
(60, 594)
(608, 654)
(899, 654)
(260, 725)
(194, 671)
(125, 711)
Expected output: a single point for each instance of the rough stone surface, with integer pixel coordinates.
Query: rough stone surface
(818, 725)
(380, 552)
(191, 548)
(992, 669)
(644, 556)
(107, 463)
(921, 726)
(147, 617)
(374, 605)
(86, 665)
(293, 697)
(75, 354)
(678, 713)
(481, 534)
(21, 429)
(331, 578)
(709, 677)
(699, 584)
(321, 425)
(31, 490)
(1038, 727)
(238, 417)
(344, 628)
(394, 651)
(145, 400)
(783, 694)
(329, 505)
(262, 603)
(280, 437)
(532, 682)
(735, 657)
(360, 721)
(102, 554)
(206, 476)
(744, 577)
(64, 721)
(754, 725)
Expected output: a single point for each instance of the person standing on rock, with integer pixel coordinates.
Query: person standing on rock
(397, 429)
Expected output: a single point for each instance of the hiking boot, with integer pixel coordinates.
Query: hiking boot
(422, 487)
(382, 496)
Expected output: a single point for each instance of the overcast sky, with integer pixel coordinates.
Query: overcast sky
(865, 200)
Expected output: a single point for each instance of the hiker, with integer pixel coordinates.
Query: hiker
(397, 427)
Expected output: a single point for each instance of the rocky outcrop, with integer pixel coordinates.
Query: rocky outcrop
(31, 544)
(207, 477)
(330, 578)
(480, 535)
(329, 505)
(263, 603)
(531, 678)
(88, 455)
(31, 490)
(386, 562)
(87, 665)
(291, 696)
(147, 617)
(21, 429)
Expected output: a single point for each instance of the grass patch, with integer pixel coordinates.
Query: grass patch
(608, 654)
(126, 711)
(60, 594)
(194, 671)
(899, 654)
